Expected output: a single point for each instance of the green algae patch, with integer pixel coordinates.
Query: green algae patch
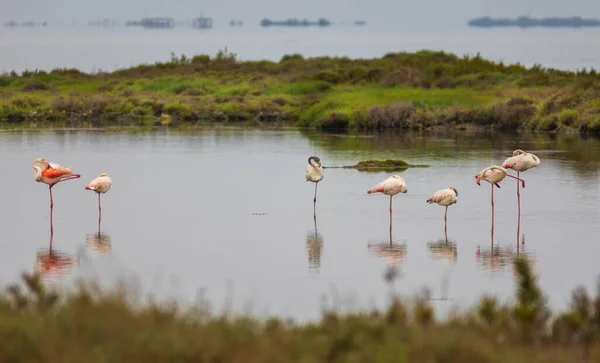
(380, 165)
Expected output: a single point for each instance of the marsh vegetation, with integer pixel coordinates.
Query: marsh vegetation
(422, 90)
(89, 325)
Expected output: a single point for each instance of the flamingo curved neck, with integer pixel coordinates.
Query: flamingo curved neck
(38, 172)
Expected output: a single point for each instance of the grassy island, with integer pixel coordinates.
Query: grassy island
(421, 90)
(37, 325)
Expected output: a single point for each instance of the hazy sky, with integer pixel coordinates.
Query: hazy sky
(398, 12)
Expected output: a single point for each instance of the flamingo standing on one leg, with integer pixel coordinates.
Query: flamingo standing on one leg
(100, 185)
(520, 161)
(445, 198)
(51, 174)
(493, 175)
(391, 186)
(314, 173)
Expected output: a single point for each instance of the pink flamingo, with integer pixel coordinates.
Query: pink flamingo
(520, 161)
(493, 175)
(445, 198)
(100, 185)
(51, 174)
(391, 186)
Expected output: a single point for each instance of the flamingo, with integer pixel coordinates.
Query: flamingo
(493, 175)
(520, 161)
(314, 173)
(445, 198)
(391, 186)
(100, 185)
(51, 174)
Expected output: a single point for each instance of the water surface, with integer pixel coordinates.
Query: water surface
(227, 214)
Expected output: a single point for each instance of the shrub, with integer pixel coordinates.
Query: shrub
(403, 76)
(568, 117)
(334, 121)
(35, 86)
(329, 77)
(201, 59)
(444, 82)
(396, 115)
(513, 114)
(291, 57)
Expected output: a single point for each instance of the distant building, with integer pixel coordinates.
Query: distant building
(295, 22)
(202, 23)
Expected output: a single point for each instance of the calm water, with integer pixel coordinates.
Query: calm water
(92, 49)
(228, 213)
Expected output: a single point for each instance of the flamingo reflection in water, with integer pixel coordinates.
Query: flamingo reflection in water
(52, 264)
(497, 258)
(444, 250)
(394, 254)
(314, 248)
(99, 242)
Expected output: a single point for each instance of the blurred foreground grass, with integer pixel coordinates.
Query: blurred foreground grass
(37, 325)
(421, 90)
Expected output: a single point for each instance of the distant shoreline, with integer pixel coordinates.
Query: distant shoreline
(528, 22)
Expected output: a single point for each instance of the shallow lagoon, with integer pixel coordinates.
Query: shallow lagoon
(227, 215)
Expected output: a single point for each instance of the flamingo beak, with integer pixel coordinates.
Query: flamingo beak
(478, 181)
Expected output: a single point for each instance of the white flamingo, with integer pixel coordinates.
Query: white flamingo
(391, 186)
(314, 173)
(520, 161)
(493, 175)
(445, 198)
(100, 185)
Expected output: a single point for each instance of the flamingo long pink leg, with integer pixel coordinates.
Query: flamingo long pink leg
(514, 177)
(315, 201)
(492, 212)
(390, 215)
(519, 207)
(51, 208)
(445, 220)
(74, 176)
(99, 210)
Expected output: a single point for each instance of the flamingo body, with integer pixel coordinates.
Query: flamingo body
(444, 197)
(492, 174)
(51, 173)
(314, 172)
(101, 184)
(521, 161)
(391, 186)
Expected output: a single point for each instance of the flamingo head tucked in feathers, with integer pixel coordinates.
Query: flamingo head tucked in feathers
(454, 189)
(518, 152)
(316, 159)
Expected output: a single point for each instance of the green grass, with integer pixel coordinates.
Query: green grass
(90, 325)
(397, 91)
